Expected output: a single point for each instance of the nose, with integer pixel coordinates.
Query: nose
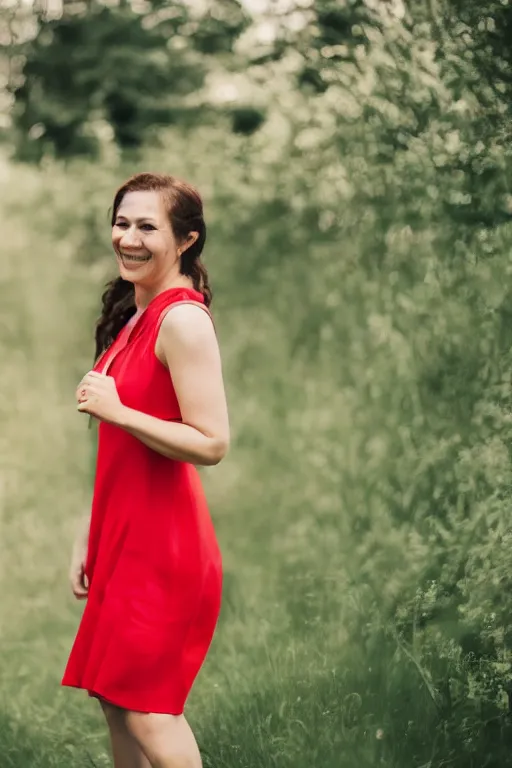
(130, 238)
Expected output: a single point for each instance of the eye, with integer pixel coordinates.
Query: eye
(121, 224)
(147, 227)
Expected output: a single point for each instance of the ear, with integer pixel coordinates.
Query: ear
(190, 240)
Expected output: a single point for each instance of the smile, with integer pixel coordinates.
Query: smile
(127, 257)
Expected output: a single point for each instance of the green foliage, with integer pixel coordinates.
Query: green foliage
(387, 253)
(113, 65)
(484, 30)
(246, 120)
(220, 27)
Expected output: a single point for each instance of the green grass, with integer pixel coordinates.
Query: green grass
(270, 685)
(302, 672)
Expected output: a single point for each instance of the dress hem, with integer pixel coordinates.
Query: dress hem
(121, 705)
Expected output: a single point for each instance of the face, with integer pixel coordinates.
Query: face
(143, 240)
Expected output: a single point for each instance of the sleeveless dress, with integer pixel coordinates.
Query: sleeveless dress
(153, 562)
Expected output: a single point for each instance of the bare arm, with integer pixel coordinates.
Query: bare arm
(189, 345)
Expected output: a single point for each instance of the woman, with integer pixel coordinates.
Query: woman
(149, 563)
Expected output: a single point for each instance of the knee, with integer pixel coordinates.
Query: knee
(164, 739)
(150, 728)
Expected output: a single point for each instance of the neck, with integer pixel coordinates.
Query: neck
(143, 295)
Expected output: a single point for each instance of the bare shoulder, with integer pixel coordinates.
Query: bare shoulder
(185, 327)
(187, 321)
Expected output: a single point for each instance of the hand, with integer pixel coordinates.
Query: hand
(97, 395)
(77, 577)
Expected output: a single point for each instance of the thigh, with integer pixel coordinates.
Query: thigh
(115, 716)
(125, 748)
(151, 727)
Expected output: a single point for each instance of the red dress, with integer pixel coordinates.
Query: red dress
(153, 563)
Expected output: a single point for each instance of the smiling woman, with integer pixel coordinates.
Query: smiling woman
(142, 232)
(150, 567)
(137, 239)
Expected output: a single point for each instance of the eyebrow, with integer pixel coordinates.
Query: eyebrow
(139, 220)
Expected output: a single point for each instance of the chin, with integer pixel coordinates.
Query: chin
(133, 279)
(132, 274)
(127, 278)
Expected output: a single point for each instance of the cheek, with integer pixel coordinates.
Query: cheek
(157, 245)
(169, 247)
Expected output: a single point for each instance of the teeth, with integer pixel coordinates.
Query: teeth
(135, 258)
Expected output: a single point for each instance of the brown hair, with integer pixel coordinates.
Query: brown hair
(185, 210)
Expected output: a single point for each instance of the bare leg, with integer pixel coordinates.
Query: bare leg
(125, 749)
(166, 740)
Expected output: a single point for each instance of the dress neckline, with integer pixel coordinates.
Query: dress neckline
(128, 329)
(157, 300)
(169, 291)
(155, 304)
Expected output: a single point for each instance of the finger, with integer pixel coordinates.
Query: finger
(81, 389)
(79, 582)
(76, 574)
(78, 589)
(91, 391)
(87, 404)
(88, 379)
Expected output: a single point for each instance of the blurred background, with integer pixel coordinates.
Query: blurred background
(354, 157)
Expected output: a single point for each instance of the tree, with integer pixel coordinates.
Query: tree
(133, 70)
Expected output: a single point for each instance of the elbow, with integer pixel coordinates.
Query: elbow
(217, 450)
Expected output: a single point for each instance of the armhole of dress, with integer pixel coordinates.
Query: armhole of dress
(179, 304)
(168, 309)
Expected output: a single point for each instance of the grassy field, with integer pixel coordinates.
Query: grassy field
(304, 671)
(253, 703)
(274, 690)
